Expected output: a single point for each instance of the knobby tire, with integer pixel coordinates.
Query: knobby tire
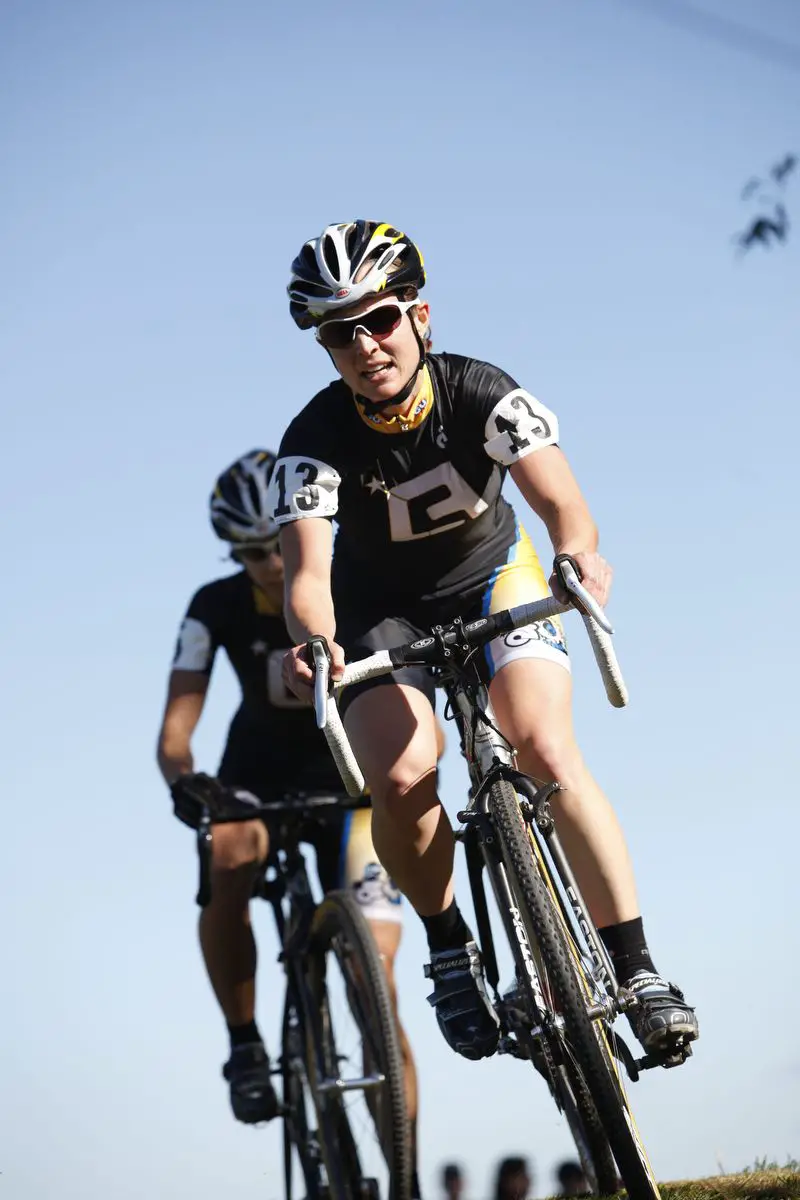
(340, 928)
(592, 1063)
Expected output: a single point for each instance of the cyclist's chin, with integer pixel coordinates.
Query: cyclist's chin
(383, 386)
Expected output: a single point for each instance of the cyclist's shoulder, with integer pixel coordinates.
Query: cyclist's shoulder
(469, 377)
(319, 420)
(216, 597)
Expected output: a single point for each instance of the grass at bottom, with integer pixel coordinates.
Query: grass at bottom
(752, 1185)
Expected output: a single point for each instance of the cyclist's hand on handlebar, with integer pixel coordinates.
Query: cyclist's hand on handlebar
(594, 573)
(298, 675)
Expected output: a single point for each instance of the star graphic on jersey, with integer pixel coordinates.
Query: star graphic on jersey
(259, 647)
(373, 485)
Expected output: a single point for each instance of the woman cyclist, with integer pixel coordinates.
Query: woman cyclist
(407, 451)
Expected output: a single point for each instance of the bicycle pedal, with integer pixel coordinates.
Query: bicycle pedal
(675, 1056)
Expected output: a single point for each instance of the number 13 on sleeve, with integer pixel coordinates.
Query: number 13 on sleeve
(303, 487)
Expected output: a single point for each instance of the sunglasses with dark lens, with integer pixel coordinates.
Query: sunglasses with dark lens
(255, 554)
(377, 322)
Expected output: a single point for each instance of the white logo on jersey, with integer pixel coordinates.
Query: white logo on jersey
(421, 507)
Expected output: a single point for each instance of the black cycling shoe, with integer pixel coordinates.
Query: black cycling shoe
(662, 1020)
(253, 1098)
(463, 1009)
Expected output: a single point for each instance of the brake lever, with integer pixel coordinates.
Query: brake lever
(321, 662)
(583, 599)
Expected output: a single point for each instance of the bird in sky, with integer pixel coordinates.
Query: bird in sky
(783, 169)
(765, 230)
(750, 188)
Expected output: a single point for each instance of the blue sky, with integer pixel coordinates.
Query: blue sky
(572, 172)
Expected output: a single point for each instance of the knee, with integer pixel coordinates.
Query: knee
(411, 782)
(238, 846)
(551, 759)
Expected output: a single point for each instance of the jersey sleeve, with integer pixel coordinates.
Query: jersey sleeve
(305, 481)
(197, 642)
(515, 423)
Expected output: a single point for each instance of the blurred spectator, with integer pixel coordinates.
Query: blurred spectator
(452, 1181)
(514, 1180)
(571, 1179)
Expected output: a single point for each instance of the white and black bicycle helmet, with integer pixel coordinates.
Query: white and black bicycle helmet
(347, 262)
(238, 504)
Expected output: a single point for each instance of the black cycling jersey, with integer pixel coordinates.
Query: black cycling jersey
(273, 743)
(419, 511)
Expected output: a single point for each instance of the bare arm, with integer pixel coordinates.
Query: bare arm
(186, 695)
(307, 548)
(547, 483)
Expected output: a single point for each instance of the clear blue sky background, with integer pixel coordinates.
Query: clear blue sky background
(572, 172)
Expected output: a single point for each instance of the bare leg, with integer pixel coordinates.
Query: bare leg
(394, 736)
(532, 701)
(393, 733)
(226, 937)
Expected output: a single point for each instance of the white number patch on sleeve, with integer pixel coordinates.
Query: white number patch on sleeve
(193, 651)
(303, 487)
(277, 691)
(518, 425)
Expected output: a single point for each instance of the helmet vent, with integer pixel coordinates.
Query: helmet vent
(385, 259)
(331, 257)
(254, 497)
(308, 258)
(310, 289)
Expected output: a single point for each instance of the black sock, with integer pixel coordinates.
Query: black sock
(447, 930)
(627, 948)
(243, 1035)
(415, 1192)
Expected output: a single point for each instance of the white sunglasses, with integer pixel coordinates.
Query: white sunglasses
(377, 322)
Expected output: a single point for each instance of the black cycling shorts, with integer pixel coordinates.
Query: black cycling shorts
(364, 626)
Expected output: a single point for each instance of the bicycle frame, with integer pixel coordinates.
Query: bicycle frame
(489, 757)
(564, 995)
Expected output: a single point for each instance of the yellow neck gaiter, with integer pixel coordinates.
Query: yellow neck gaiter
(397, 423)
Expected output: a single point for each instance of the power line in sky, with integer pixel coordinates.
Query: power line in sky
(722, 29)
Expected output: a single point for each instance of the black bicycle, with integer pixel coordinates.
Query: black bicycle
(559, 1010)
(345, 1123)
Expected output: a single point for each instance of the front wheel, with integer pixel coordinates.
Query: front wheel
(584, 1045)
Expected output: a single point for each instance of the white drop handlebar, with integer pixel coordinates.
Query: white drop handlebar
(329, 720)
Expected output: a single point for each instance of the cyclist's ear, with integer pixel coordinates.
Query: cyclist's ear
(421, 315)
